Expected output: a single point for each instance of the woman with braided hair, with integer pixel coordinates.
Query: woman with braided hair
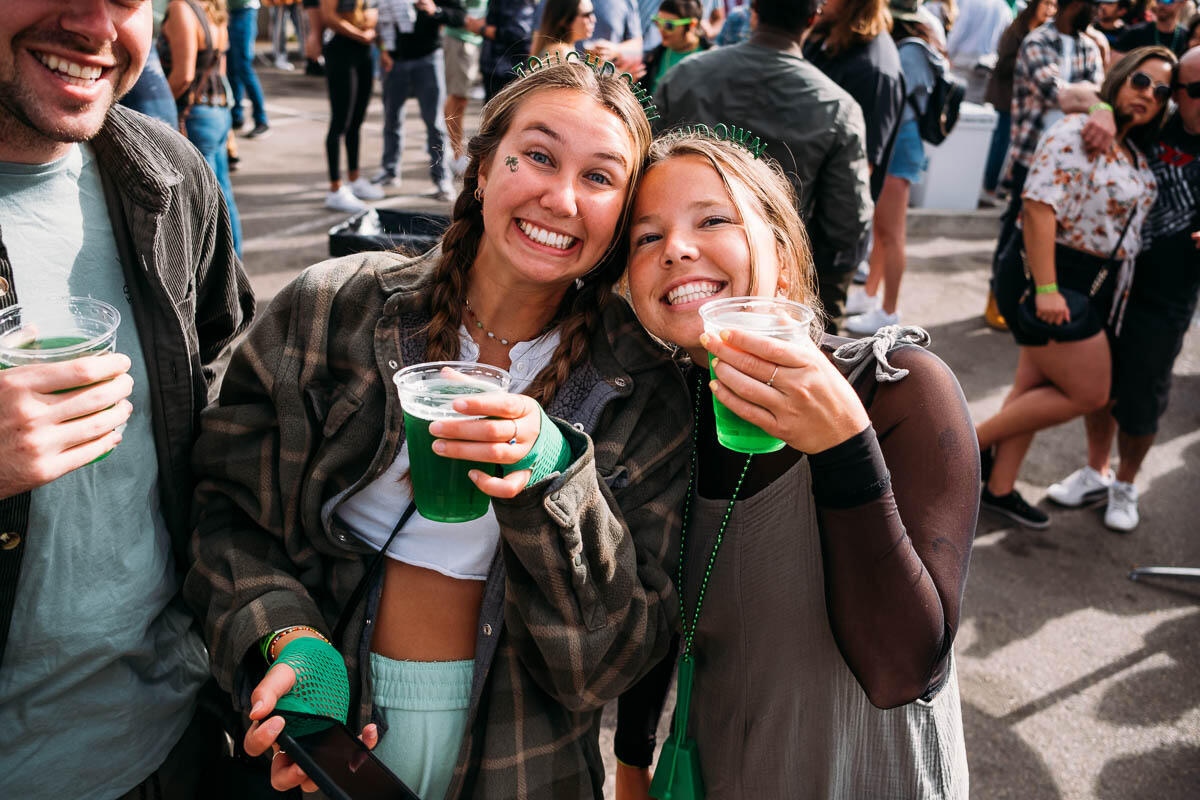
(488, 647)
(820, 583)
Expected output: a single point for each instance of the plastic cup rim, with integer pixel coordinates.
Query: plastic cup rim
(503, 374)
(713, 306)
(55, 353)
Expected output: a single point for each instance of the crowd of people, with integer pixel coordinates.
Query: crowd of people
(229, 497)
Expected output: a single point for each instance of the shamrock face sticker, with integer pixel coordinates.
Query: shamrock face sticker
(511, 163)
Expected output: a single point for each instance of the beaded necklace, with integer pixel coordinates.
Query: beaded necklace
(682, 779)
(490, 335)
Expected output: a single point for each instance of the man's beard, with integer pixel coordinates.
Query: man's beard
(20, 120)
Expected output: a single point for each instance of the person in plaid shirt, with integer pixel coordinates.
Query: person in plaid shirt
(1055, 55)
(559, 598)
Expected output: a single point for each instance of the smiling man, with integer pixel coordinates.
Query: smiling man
(100, 664)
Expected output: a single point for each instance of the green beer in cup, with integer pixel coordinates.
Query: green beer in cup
(441, 488)
(764, 316)
(57, 329)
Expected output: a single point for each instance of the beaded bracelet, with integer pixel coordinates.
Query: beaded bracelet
(1047, 288)
(268, 642)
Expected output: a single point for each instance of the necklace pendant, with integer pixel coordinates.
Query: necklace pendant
(678, 775)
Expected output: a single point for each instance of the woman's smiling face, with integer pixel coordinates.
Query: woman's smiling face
(554, 190)
(690, 244)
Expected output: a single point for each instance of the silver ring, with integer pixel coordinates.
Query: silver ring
(516, 430)
(774, 372)
(278, 753)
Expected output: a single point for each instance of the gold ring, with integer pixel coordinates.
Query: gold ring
(774, 372)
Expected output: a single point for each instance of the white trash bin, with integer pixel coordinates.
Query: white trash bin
(955, 175)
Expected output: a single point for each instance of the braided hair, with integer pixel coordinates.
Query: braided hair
(580, 312)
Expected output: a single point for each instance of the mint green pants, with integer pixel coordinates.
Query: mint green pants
(425, 706)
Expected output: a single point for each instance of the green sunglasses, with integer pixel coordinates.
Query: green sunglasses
(672, 24)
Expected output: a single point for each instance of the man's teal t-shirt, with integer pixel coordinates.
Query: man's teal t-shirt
(102, 666)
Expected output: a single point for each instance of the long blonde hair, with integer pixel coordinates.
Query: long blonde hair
(758, 186)
(580, 312)
(217, 10)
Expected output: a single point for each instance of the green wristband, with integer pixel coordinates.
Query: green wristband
(1047, 288)
(550, 453)
(322, 688)
(1099, 106)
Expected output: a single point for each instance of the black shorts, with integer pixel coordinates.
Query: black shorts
(1143, 357)
(1073, 270)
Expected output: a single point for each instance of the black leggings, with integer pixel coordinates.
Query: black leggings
(349, 74)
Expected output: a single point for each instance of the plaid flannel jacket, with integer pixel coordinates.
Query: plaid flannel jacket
(1036, 81)
(578, 603)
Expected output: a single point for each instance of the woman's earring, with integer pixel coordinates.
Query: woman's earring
(479, 194)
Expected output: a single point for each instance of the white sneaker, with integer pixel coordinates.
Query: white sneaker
(282, 63)
(861, 303)
(871, 321)
(1083, 487)
(1122, 512)
(344, 200)
(363, 189)
(458, 166)
(863, 272)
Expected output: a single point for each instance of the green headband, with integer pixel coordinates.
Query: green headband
(602, 68)
(738, 137)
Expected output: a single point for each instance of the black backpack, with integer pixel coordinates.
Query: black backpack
(941, 112)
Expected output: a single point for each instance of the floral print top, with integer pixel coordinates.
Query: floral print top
(1092, 198)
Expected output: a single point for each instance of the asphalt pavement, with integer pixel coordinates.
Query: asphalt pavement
(1075, 681)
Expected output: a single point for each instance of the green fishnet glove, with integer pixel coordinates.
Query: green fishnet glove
(321, 689)
(550, 453)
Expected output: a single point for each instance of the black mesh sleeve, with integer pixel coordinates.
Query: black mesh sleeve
(896, 565)
(638, 712)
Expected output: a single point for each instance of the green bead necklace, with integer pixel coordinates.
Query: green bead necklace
(678, 775)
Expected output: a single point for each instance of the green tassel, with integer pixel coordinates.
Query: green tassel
(678, 774)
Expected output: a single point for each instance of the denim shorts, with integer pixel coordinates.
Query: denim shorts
(908, 154)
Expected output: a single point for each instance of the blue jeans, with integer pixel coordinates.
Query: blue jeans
(425, 79)
(243, 29)
(151, 95)
(998, 150)
(208, 128)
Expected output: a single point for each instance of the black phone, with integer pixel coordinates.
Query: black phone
(342, 766)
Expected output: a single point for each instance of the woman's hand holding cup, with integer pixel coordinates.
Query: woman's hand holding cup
(789, 389)
(511, 425)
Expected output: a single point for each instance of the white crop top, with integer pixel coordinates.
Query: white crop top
(461, 550)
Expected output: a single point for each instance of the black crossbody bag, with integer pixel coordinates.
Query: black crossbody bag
(1078, 304)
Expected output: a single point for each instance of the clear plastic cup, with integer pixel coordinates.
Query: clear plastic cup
(56, 329)
(442, 489)
(765, 316)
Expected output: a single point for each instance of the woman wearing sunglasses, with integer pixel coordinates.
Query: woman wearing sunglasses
(679, 23)
(565, 23)
(1062, 285)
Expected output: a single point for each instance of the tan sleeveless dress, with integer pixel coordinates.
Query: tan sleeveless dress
(776, 713)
